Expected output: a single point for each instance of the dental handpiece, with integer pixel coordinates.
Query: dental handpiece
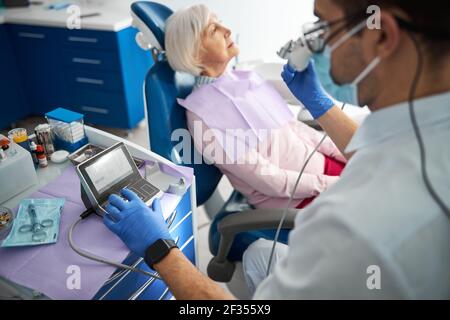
(297, 53)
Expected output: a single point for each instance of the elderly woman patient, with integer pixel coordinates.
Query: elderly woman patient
(240, 123)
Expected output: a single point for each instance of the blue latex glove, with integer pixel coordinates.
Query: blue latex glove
(136, 224)
(306, 87)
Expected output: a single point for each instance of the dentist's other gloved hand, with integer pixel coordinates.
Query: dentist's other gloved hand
(136, 224)
(306, 87)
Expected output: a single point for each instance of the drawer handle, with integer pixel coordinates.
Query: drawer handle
(31, 35)
(86, 61)
(95, 109)
(123, 271)
(144, 287)
(90, 81)
(164, 294)
(171, 219)
(83, 39)
(122, 274)
(180, 222)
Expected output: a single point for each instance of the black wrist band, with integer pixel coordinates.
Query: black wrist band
(158, 250)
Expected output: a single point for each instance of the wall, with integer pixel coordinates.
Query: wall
(263, 25)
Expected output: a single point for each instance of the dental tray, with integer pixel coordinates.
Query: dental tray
(88, 151)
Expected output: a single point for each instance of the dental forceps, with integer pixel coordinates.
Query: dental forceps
(36, 227)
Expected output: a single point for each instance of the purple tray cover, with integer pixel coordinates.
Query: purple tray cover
(49, 268)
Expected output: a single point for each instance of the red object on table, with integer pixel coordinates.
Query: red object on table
(4, 143)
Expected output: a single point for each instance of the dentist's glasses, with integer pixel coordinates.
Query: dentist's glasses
(318, 34)
(315, 36)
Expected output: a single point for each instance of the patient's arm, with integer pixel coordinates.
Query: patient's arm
(268, 178)
(327, 147)
(262, 174)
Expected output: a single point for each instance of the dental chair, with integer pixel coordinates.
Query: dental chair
(236, 225)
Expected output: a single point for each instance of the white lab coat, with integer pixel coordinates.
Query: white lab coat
(379, 215)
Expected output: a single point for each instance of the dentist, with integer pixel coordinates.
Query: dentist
(383, 230)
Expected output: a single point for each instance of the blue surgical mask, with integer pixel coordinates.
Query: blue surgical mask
(347, 93)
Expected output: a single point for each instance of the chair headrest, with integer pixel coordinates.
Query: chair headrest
(150, 18)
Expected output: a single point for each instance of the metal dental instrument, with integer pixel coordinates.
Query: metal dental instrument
(36, 227)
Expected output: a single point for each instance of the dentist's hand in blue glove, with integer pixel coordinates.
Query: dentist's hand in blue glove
(136, 224)
(306, 87)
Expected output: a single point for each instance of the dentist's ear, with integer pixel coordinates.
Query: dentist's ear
(388, 38)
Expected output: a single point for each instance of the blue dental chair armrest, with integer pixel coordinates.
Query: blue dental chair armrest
(220, 268)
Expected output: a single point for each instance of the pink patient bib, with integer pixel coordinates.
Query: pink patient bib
(237, 102)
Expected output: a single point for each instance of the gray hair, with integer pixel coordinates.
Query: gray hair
(183, 38)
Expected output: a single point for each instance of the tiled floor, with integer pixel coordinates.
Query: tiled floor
(139, 136)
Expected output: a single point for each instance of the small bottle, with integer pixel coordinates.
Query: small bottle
(33, 148)
(2, 155)
(4, 144)
(10, 152)
(40, 153)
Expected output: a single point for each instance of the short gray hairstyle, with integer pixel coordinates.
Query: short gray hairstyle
(183, 38)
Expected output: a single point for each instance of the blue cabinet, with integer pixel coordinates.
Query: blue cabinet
(36, 51)
(94, 60)
(90, 39)
(125, 285)
(103, 76)
(12, 103)
(97, 73)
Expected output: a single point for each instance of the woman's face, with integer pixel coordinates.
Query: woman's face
(217, 47)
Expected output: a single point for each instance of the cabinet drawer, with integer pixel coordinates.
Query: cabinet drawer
(183, 207)
(129, 285)
(11, 87)
(183, 230)
(89, 39)
(38, 60)
(35, 35)
(93, 80)
(102, 108)
(91, 60)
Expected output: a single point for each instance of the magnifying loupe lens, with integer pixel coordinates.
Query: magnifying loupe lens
(315, 35)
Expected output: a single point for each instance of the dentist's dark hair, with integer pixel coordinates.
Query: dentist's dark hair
(428, 19)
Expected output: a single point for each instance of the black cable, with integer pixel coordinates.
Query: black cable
(99, 259)
(416, 128)
(87, 213)
(288, 205)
